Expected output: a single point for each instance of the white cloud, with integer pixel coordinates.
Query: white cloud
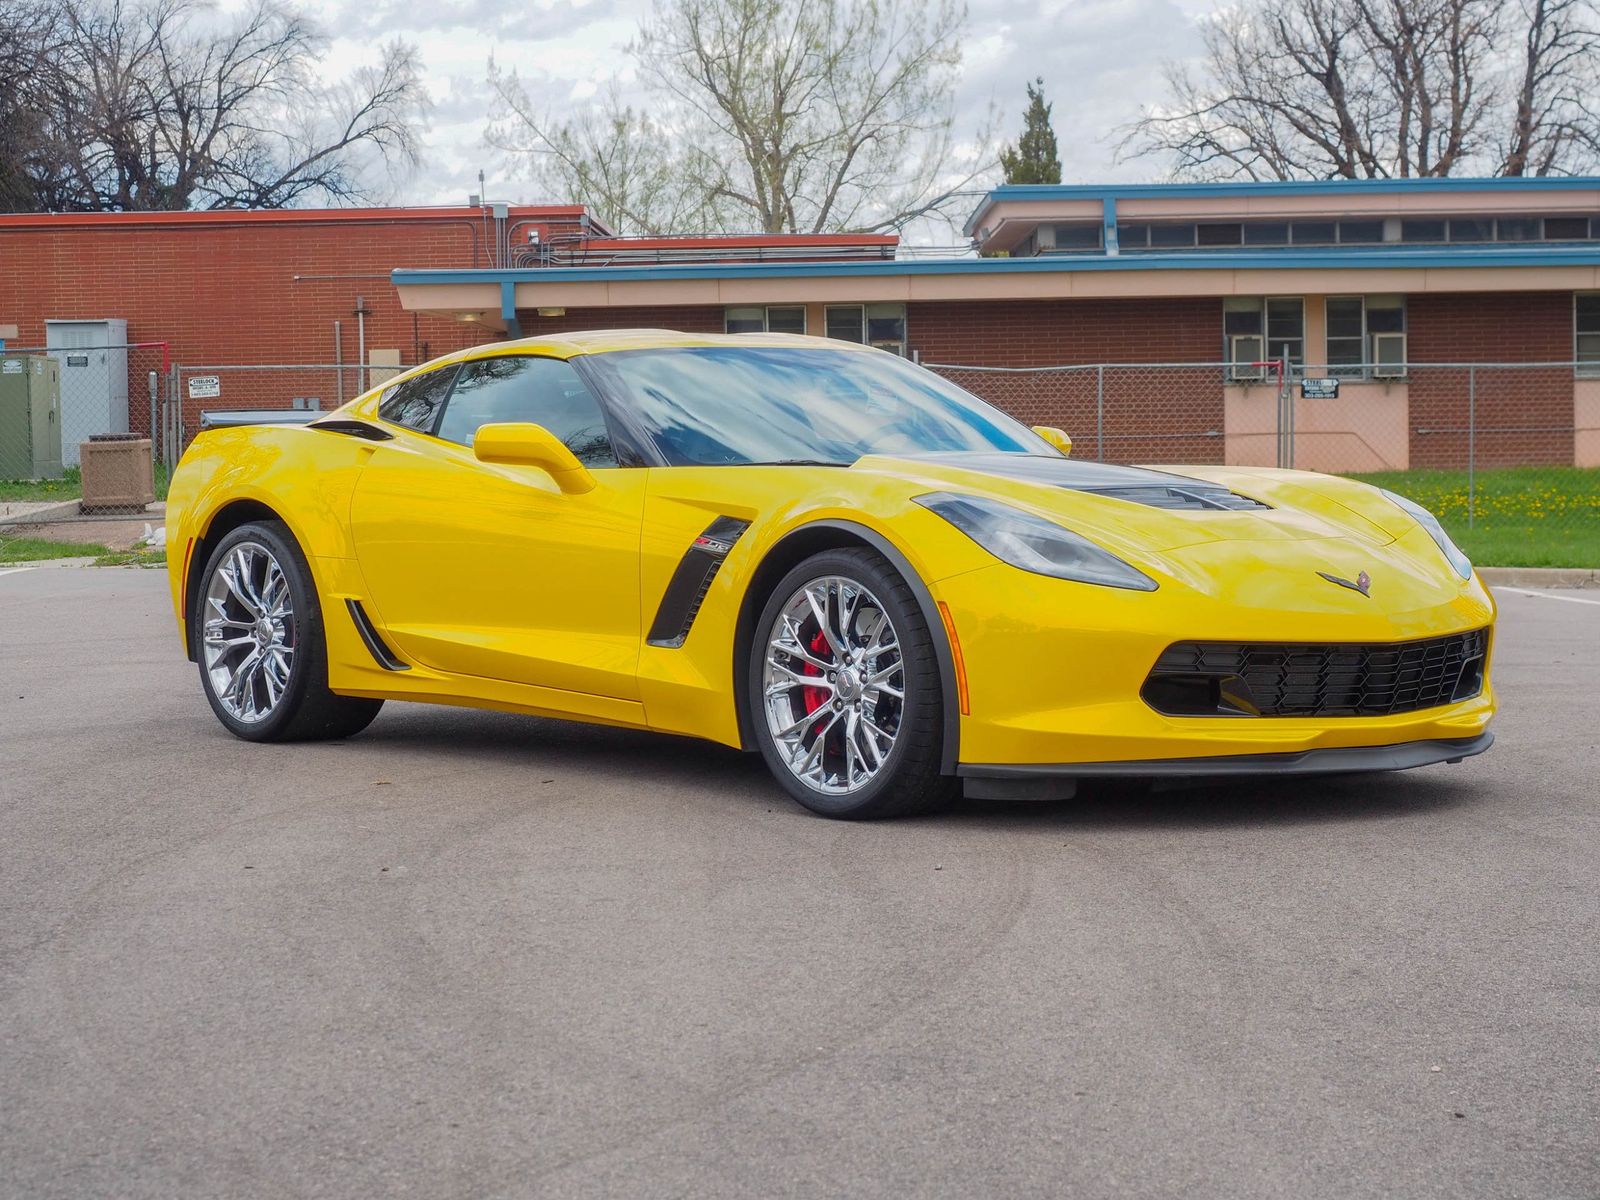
(1100, 60)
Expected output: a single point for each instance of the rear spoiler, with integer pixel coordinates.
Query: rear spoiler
(230, 418)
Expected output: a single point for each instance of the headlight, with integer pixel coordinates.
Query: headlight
(1033, 543)
(1428, 521)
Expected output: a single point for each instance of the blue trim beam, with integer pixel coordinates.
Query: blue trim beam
(508, 304)
(1243, 260)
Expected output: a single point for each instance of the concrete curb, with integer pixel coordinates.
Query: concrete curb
(40, 514)
(1541, 577)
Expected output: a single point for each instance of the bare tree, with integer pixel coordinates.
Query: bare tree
(784, 117)
(160, 104)
(618, 162)
(26, 29)
(1554, 113)
(1381, 88)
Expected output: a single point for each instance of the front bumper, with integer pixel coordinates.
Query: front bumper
(1055, 670)
(1333, 761)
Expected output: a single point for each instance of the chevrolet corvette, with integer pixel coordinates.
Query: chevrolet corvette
(824, 553)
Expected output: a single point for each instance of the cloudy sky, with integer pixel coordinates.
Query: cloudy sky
(1100, 59)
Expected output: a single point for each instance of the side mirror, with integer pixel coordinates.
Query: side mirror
(516, 444)
(1056, 437)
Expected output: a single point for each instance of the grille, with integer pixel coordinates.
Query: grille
(1329, 680)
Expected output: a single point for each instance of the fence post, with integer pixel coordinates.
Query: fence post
(155, 440)
(173, 386)
(1100, 412)
(1283, 414)
(1288, 406)
(1472, 446)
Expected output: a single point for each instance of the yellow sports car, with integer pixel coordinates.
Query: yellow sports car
(824, 553)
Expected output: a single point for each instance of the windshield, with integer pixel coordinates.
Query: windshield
(727, 405)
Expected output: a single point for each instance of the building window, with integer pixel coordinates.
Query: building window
(1169, 237)
(1566, 229)
(1518, 229)
(1366, 335)
(880, 325)
(1360, 232)
(1266, 233)
(845, 322)
(1313, 233)
(1224, 234)
(1586, 332)
(1422, 231)
(1072, 238)
(776, 318)
(886, 327)
(1471, 229)
(1259, 329)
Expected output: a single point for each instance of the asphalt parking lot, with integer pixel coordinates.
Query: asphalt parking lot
(470, 954)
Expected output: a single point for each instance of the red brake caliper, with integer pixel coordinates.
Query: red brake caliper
(815, 697)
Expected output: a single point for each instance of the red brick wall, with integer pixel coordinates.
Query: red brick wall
(227, 293)
(1119, 415)
(1524, 416)
(700, 318)
(1029, 333)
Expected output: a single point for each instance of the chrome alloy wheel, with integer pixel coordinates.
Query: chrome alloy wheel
(249, 635)
(834, 684)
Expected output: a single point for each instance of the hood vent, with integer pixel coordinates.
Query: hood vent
(1196, 496)
(1138, 485)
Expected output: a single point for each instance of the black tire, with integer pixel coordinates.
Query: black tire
(908, 779)
(305, 709)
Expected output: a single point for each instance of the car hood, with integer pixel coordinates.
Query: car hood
(1161, 509)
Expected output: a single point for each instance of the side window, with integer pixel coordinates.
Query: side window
(544, 391)
(416, 402)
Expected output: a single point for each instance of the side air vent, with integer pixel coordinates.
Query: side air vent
(686, 591)
(357, 429)
(381, 653)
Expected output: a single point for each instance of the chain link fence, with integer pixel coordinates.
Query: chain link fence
(79, 430)
(233, 393)
(1507, 454)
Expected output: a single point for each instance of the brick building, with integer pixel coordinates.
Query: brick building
(1392, 287)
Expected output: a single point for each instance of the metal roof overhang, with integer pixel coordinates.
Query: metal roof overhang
(1245, 189)
(493, 298)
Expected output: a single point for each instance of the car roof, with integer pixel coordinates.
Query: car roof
(606, 341)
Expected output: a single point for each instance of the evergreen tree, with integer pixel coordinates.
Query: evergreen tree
(1033, 159)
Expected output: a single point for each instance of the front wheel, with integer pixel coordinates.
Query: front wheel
(845, 696)
(263, 656)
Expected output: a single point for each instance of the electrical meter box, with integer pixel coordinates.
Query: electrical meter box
(30, 417)
(94, 378)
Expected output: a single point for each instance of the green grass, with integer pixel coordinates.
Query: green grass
(1521, 516)
(31, 549)
(133, 558)
(68, 487)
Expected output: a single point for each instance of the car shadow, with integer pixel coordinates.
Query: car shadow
(730, 777)
(1213, 804)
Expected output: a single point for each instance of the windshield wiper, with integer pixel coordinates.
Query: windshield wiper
(792, 462)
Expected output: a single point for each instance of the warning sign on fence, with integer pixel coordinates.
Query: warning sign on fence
(205, 387)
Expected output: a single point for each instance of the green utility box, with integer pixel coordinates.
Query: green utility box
(30, 417)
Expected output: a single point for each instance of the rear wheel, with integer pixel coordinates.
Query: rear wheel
(844, 689)
(259, 636)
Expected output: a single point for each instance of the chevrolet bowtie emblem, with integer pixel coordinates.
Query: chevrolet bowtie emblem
(1362, 582)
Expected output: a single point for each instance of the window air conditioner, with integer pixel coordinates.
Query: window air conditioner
(1245, 357)
(1388, 355)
